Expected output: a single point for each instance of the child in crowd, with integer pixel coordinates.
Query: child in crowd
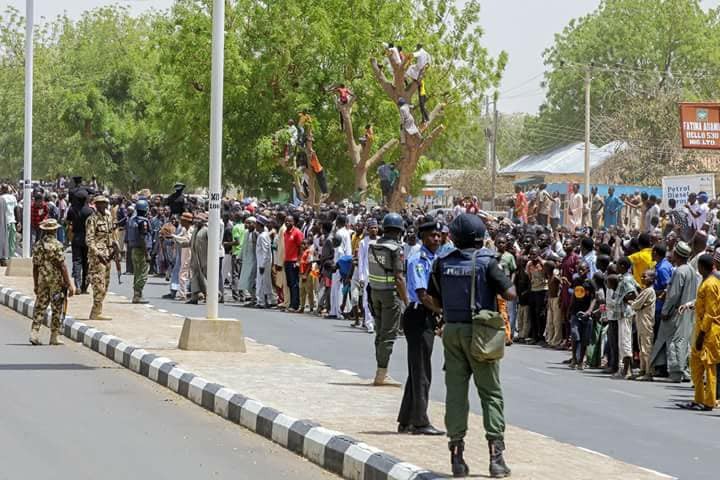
(553, 329)
(307, 292)
(624, 295)
(644, 308)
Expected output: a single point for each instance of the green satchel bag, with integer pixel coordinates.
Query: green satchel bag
(488, 329)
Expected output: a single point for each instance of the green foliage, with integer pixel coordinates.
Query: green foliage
(128, 98)
(643, 55)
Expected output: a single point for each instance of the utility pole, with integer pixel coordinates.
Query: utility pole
(488, 133)
(493, 167)
(588, 77)
(27, 160)
(216, 129)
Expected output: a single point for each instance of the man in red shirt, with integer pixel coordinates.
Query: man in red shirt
(293, 250)
(38, 213)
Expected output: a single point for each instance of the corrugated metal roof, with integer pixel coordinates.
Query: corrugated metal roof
(566, 160)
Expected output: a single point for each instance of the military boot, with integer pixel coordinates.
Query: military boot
(54, 340)
(459, 467)
(35, 336)
(138, 298)
(96, 313)
(498, 467)
(382, 378)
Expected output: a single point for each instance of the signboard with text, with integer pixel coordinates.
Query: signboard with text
(700, 125)
(680, 186)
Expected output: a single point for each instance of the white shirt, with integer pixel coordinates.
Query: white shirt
(345, 247)
(10, 204)
(703, 210)
(422, 57)
(363, 267)
(576, 210)
(407, 120)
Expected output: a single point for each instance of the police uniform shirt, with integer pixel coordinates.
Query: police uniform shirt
(418, 272)
(495, 279)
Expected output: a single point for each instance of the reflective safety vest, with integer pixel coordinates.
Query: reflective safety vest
(381, 261)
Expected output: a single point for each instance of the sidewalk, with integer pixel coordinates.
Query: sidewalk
(301, 388)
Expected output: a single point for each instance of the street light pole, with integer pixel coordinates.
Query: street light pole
(27, 160)
(216, 129)
(588, 78)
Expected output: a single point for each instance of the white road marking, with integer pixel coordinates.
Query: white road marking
(349, 372)
(250, 339)
(655, 472)
(162, 311)
(291, 353)
(112, 293)
(627, 394)
(593, 452)
(177, 315)
(543, 372)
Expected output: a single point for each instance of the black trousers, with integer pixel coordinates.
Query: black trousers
(423, 110)
(80, 267)
(537, 302)
(292, 275)
(613, 354)
(420, 336)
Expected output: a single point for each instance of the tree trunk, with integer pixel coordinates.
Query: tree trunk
(414, 146)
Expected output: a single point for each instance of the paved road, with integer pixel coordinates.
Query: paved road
(632, 421)
(67, 412)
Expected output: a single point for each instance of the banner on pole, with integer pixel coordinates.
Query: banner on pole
(700, 125)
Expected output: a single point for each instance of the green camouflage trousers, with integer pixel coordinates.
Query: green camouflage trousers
(140, 269)
(99, 279)
(44, 299)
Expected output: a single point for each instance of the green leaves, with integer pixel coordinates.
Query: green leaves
(128, 98)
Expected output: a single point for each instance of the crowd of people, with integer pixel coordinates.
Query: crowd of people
(629, 288)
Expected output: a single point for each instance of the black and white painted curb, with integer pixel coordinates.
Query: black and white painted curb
(329, 449)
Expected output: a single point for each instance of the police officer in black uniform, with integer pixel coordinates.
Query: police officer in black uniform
(419, 325)
(451, 287)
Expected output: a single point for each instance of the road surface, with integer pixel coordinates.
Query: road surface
(68, 412)
(631, 421)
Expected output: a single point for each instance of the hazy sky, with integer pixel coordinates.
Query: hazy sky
(523, 28)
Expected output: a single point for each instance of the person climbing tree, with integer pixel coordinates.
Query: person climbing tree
(344, 95)
(319, 171)
(422, 60)
(407, 122)
(369, 135)
(422, 96)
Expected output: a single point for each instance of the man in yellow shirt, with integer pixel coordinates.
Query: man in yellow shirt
(642, 260)
(705, 354)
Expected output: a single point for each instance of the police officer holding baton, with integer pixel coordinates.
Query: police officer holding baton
(465, 283)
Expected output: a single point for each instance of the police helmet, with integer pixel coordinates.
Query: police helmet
(393, 221)
(467, 229)
(142, 206)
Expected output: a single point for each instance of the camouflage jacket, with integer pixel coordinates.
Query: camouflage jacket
(98, 234)
(48, 255)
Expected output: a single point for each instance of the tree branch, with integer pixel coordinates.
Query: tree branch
(381, 152)
(436, 112)
(382, 79)
(431, 138)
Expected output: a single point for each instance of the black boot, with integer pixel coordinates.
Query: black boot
(498, 467)
(171, 295)
(459, 467)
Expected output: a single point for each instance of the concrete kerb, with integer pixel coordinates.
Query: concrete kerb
(331, 450)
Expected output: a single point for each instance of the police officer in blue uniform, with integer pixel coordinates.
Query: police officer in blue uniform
(450, 287)
(419, 325)
(139, 244)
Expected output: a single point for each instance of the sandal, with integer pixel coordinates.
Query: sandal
(694, 406)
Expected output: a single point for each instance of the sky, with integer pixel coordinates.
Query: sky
(522, 28)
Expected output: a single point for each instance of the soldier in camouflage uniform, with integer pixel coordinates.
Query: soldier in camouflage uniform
(50, 280)
(98, 236)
